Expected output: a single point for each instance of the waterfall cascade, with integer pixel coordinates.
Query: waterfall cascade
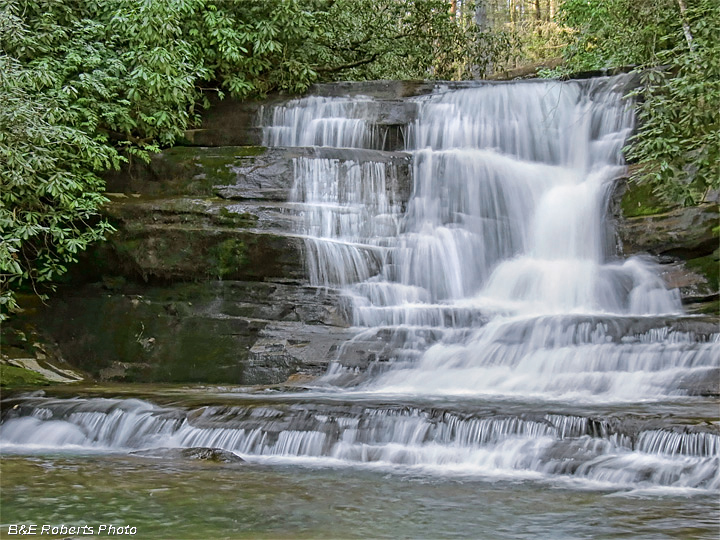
(601, 453)
(496, 293)
(500, 276)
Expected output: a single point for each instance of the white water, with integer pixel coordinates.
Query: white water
(508, 206)
(348, 218)
(545, 447)
(507, 224)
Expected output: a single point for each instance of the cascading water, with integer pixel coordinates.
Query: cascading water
(510, 189)
(350, 218)
(506, 223)
(514, 343)
(601, 453)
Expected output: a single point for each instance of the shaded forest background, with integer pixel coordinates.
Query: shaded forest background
(85, 84)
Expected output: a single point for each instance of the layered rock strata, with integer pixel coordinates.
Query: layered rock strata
(204, 280)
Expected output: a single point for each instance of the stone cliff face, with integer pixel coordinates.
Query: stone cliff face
(204, 280)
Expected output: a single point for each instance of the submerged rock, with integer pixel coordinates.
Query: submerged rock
(214, 455)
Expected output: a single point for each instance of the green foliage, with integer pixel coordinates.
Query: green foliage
(678, 144)
(518, 36)
(49, 189)
(611, 33)
(389, 39)
(677, 54)
(257, 46)
(84, 84)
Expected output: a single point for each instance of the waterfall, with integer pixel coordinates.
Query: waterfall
(508, 340)
(508, 206)
(347, 217)
(499, 276)
(537, 446)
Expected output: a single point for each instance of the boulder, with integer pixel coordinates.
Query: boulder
(200, 453)
(684, 240)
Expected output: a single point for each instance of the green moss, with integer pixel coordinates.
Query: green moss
(12, 376)
(639, 200)
(181, 153)
(709, 266)
(246, 151)
(236, 219)
(195, 170)
(126, 247)
(230, 255)
(705, 308)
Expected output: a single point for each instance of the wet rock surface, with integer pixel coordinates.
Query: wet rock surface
(684, 241)
(215, 331)
(683, 232)
(205, 279)
(243, 172)
(204, 213)
(212, 455)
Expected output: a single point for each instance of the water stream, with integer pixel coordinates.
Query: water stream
(517, 352)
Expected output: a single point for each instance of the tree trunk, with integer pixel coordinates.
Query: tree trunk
(484, 68)
(685, 24)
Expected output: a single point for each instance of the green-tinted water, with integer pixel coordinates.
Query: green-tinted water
(189, 500)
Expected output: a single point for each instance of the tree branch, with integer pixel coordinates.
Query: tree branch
(686, 25)
(359, 63)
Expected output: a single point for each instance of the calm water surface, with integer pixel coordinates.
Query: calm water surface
(185, 499)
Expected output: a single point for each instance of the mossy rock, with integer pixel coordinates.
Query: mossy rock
(134, 338)
(705, 308)
(708, 266)
(640, 200)
(228, 217)
(12, 377)
(229, 255)
(179, 253)
(183, 171)
(686, 233)
(200, 332)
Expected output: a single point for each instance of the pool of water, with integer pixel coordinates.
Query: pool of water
(285, 495)
(187, 499)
